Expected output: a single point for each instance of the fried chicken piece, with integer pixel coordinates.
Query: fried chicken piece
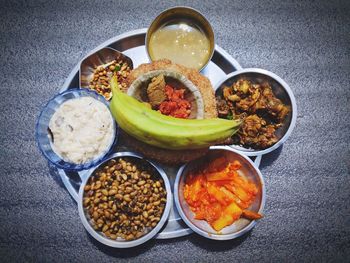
(274, 105)
(156, 91)
(255, 132)
(223, 107)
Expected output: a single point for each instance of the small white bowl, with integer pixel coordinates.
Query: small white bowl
(137, 89)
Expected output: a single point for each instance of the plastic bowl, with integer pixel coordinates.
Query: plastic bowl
(201, 227)
(121, 243)
(42, 135)
(281, 90)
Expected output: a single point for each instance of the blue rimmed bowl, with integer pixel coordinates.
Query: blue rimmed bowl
(44, 139)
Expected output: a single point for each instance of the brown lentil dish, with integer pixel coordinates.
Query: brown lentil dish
(103, 74)
(261, 111)
(124, 200)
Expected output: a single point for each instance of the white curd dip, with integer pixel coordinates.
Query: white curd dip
(82, 130)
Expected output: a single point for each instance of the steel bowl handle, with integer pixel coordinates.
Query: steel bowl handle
(257, 160)
(67, 183)
(73, 191)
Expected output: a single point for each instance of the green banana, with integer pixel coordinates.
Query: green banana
(163, 131)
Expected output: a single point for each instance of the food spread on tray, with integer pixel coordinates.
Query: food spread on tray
(103, 73)
(81, 130)
(154, 128)
(220, 193)
(124, 200)
(261, 111)
(182, 43)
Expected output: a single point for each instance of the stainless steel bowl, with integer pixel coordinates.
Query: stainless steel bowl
(282, 91)
(239, 227)
(120, 243)
(101, 57)
(182, 14)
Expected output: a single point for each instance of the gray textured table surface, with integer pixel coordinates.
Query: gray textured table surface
(308, 181)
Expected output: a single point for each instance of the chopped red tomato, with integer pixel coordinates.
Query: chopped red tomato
(175, 105)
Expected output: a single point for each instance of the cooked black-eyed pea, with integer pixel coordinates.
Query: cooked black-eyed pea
(113, 236)
(98, 185)
(139, 234)
(105, 228)
(112, 192)
(128, 190)
(119, 178)
(145, 214)
(95, 215)
(127, 198)
(142, 182)
(155, 219)
(124, 176)
(107, 214)
(86, 201)
(150, 211)
(129, 237)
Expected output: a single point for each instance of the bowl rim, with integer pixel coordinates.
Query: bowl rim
(83, 166)
(219, 236)
(285, 86)
(212, 51)
(146, 237)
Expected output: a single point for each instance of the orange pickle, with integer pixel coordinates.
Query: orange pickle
(219, 194)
